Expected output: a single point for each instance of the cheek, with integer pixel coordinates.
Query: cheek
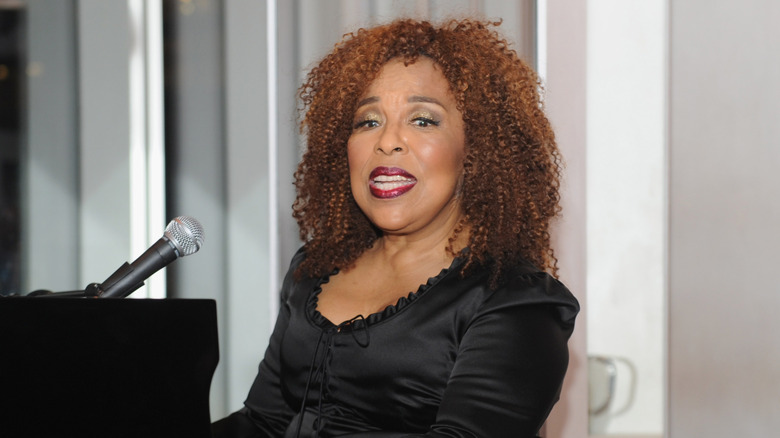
(355, 161)
(458, 155)
(445, 159)
(351, 156)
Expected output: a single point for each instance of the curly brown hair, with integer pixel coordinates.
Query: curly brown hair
(512, 164)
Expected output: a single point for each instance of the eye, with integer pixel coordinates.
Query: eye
(424, 122)
(368, 123)
(367, 119)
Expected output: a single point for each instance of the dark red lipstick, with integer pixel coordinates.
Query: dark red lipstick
(390, 182)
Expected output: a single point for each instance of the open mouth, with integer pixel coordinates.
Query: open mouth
(390, 182)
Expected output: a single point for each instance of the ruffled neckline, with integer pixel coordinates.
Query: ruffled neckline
(375, 318)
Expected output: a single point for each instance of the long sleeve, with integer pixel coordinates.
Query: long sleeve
(507, 376)
(510, 364)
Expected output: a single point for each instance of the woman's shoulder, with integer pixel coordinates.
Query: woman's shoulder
(290, 279)
(526, 285)
(298, 257)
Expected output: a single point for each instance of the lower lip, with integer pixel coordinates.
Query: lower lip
(387, 194)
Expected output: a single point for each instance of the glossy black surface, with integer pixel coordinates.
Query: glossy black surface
(84, 367)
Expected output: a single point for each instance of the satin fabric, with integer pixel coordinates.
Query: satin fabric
(453, 359)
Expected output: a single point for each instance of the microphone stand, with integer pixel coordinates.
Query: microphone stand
(93, 290)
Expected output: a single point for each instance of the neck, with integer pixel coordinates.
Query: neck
(419, 250)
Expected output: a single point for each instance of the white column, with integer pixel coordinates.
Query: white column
(50, 237)
(565, 102)
(105, 42)
(252, 247)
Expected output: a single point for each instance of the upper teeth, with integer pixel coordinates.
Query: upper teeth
(391, 178)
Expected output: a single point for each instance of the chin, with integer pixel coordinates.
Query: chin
(390, 227)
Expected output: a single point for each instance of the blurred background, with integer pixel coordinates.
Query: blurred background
(116, 116)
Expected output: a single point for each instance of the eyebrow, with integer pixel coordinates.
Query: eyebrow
(425, 99)
(412, 99)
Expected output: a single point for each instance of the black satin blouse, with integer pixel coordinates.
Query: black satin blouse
(453, 359)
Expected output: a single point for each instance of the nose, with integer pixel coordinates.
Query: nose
(391, 141)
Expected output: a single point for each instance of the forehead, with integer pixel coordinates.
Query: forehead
(421, 77)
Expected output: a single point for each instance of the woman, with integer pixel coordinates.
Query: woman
(419, 304)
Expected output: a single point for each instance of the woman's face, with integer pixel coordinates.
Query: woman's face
(406, 151)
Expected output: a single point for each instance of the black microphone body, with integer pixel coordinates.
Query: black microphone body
(183, 236)
(129, 277)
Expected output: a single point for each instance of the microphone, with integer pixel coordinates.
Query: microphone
(183, 236)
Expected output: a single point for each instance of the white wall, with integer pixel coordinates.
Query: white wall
(724, 214)
(626, 204)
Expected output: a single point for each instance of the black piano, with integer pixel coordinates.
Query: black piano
(83, 367)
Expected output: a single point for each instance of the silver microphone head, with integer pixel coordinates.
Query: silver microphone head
(186, 234)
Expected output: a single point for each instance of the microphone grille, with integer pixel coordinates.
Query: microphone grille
(186, 234)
